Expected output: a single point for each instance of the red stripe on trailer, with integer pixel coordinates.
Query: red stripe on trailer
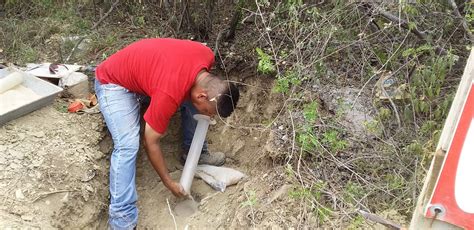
(453, 197)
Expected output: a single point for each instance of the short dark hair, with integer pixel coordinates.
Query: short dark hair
(227, 101)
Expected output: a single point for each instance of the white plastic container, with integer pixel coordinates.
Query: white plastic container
(44, 89)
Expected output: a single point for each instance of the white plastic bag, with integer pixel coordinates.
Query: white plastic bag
(218, 177)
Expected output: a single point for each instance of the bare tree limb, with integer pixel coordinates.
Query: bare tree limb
(404, 24)
(234, 21)
(210, 15)
(93, 28)
(464, 23)
(180, 23)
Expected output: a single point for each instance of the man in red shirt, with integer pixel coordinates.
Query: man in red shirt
(173, 73)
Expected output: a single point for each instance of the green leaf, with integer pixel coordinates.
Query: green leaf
(310, 112)
(265, 64)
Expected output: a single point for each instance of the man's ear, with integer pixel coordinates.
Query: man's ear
(202, 96)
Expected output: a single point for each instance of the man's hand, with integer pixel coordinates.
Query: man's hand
(176, 189)
(152, 144)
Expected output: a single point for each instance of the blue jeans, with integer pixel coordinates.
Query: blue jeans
(121, 111)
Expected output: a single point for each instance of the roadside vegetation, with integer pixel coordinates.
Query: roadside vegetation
(401, 61)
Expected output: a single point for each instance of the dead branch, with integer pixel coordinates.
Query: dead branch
(171, 213)
(463, 21)
(182, 16)
(405, 25)
(186, 15)
(220, 35)
(105, 15)
(45, 194)
(210, 14)
(380, 220)
(93, 28)
(234, 21)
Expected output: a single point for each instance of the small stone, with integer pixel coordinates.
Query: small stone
(38, 134)
(19, 210)
(89, 175)
(17, 154)
(95, 126)
(237, 146)
(179, 167)
(19, 194)
(89, 188)
(279, 193)
(21, 136)
(37, 162)
(15, 165)
(65, 198)
(26, 217)
(98, 155)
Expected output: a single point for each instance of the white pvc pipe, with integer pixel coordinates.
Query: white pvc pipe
(194, 152)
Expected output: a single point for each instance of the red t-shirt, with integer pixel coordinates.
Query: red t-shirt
(162, 68)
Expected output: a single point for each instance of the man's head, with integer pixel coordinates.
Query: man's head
(211, 95)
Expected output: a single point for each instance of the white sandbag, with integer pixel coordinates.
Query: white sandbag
(218, 177)
(72, 79)
(10, 81)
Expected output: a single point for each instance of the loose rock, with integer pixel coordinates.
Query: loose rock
(38, 134)
(19, 194)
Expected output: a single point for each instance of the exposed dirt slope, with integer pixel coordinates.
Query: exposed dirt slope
(55, 171)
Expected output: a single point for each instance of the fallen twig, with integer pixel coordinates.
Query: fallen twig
(45, 194)
(380, 220)
(93, 28)
(171, 213)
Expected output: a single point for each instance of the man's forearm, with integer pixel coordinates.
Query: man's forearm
(158, 161)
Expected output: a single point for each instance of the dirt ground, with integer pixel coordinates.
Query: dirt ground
(52, 165)
(55, 171)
